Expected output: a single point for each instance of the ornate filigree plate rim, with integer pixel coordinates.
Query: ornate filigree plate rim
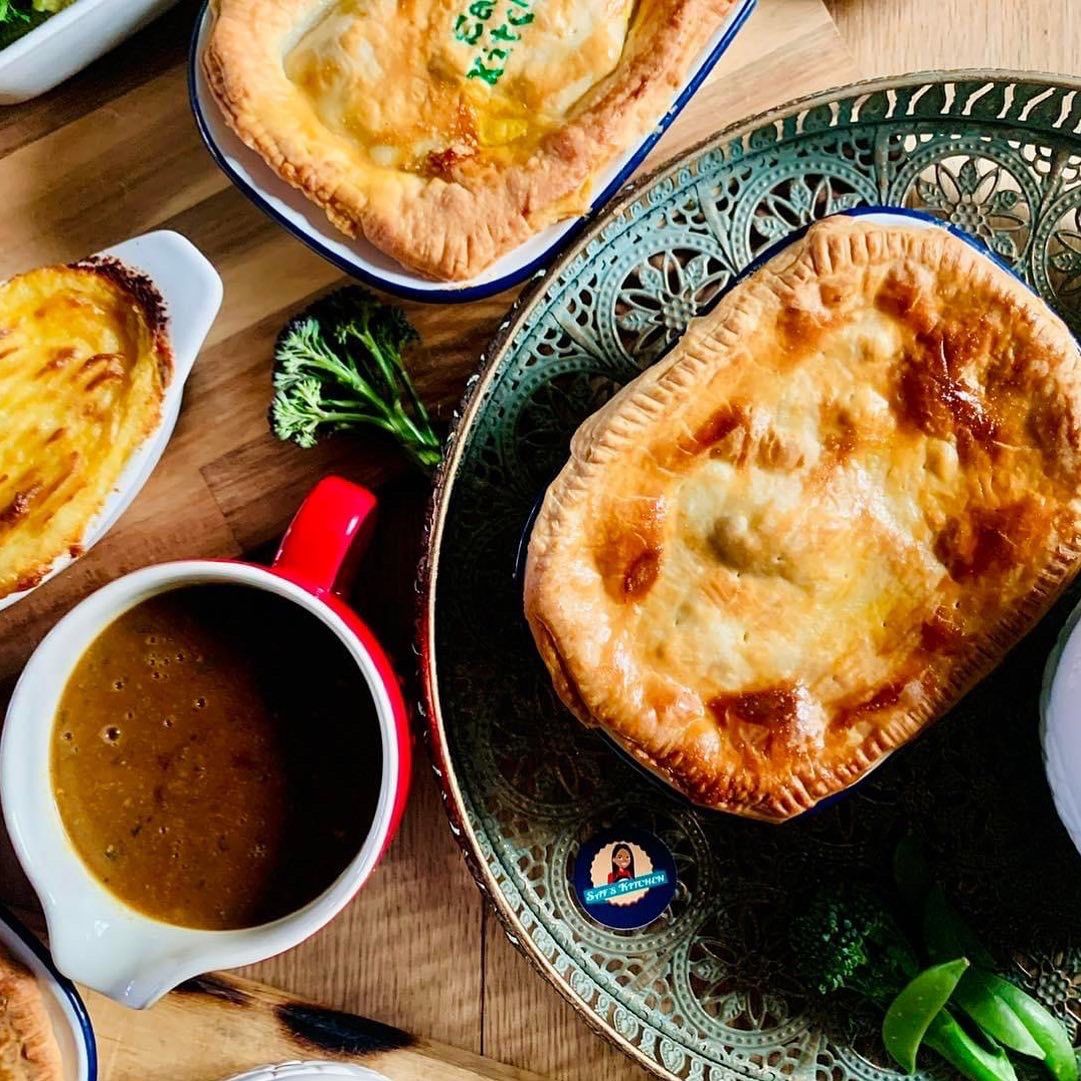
(779, 124)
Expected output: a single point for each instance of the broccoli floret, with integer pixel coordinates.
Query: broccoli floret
(338, 365)
(847, 938)
(18, 17)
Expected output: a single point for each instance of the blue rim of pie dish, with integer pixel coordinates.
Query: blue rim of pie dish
(64, 985)
(515, 277)
(872, 210)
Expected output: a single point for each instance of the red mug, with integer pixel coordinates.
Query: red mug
(332, 528)
(95, 938)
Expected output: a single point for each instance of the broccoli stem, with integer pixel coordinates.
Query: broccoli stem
(396, 423)
(390, 372)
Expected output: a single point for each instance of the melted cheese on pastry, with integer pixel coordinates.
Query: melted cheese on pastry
(83, 366)
(449, 131)
(798, 539)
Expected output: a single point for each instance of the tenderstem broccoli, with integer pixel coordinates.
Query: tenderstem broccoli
(338, 365)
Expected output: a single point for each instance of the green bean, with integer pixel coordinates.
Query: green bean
(945, 1036)
(1004, 1014)
(1045, 1028)
(912, 1011)
(976, 995)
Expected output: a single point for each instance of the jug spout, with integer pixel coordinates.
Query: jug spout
(131, 959)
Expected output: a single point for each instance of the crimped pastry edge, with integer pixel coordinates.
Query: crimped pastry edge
(29, 1019)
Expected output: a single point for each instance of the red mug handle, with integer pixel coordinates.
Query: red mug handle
(335, 519)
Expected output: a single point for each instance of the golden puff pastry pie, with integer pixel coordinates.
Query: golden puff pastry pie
(447, 132)
(794, 542)
(28, 1047)
(84, 362)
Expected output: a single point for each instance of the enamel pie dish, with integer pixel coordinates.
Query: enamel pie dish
(483, 212)
(107, 417)
(67, 1013)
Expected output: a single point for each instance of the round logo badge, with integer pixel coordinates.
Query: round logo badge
(624, 877)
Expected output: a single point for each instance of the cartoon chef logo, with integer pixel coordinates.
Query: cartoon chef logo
(624, 877)
(621, 874)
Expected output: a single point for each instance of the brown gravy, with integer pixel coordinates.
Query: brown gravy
(216, 757)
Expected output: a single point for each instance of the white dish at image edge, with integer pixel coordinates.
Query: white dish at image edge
(311, 1071)
(67, 42)
(1060, 732)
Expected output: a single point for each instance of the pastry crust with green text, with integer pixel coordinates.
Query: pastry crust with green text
(447, 132)
(801, 536)
(28, 1048)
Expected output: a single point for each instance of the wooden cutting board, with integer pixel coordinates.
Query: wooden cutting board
(217, 1026)
(114, 153)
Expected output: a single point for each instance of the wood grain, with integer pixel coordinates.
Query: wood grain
(114, 152)
(891, 37)
(226, 1026)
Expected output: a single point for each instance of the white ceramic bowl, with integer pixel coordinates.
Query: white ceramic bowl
(363, 260)
(1060, 725)
(69, 40)
(95, 938)
(70, 1021)
(192, 292)
(311, 1071)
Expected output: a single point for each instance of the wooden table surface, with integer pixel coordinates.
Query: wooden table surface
(417, 948)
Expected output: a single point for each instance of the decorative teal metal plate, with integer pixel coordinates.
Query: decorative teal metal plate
(705, 992)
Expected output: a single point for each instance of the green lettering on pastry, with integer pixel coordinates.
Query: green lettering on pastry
(494, 41)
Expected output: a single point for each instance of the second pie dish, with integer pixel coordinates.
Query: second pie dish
(444, 183)
(45, 1030)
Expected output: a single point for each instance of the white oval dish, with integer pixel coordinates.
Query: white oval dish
(1060, 732)
(71, 1022)
(311, 1071)
(192, 292)
(69, 40)
(361, 259)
